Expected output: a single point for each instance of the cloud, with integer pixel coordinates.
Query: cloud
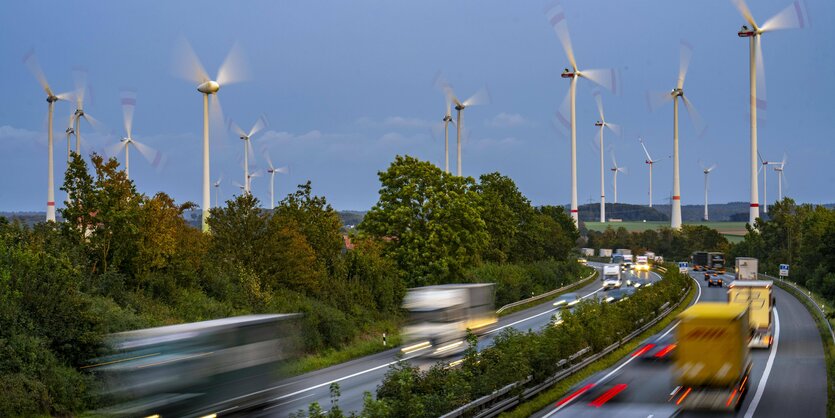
(8, 133)
(397, 138)
(507, 120)
(394, 122)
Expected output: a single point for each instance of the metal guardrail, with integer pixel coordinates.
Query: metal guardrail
(506, 404)
(815, 304)
(544, 295)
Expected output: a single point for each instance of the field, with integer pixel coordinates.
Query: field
(733, 231)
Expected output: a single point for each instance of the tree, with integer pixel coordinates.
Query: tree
(238, 231)
(431, 221)
(505, 211)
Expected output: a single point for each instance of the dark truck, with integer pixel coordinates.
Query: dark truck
(699, 260)
(716, 262)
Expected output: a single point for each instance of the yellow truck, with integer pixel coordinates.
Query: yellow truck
(757, 296)
(712, 361)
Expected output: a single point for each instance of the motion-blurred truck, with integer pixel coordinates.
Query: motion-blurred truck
(587, 252)
(641, 263)
(611, 277)
(699, 260)
(439, 316)
(712, 361)
(757, 296)
(716, 262)
(605, 252)
(746, 268)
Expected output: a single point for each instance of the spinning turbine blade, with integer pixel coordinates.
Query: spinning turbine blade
(154, 157)
(482, 96)
(128, 106)
(187, 64)
(233, 69)
(260, 124)
(599, 101)
(762, 103)
(791, 17)
(746, 13)
(695, 116)
(556, 17)
(31, 62)
(656, 99)
(616, 129)
(605, 78)
(685, 54)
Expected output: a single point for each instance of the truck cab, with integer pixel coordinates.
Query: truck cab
(611, 277)
(642, 263)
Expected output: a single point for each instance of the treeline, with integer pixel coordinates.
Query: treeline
(802, 236)
(124, 260)
(672, 244)
(408, 391)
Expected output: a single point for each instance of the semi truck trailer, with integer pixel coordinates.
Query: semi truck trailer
(699, 260)
(757, 296)
(746, 268)
(712, 361)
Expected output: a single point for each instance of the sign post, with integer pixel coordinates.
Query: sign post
(784, 270)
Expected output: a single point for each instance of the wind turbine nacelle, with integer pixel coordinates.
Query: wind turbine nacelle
(745, 32)
(567, 74)
(598, 123)
(209, 87)
(52, 98)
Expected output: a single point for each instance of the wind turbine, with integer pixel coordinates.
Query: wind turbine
(615, 169)
(601, 123)
(779, 170)
(604, 78)
(790, 17)
(482, 96)
(764, 169)
(230, 72)
(249, 177)
(674, 95)
(707, 171)
(271, 171)
(246, 137)
(650, 162)
(80, 89)
(153, 156)
(32, 63)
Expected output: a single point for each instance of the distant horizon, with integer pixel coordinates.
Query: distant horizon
(655, 205)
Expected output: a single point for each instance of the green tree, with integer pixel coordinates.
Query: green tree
(505, 211)
(430, 220)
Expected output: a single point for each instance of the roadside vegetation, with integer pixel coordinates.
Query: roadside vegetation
(673, 245)
(125, 260)
(514, 357)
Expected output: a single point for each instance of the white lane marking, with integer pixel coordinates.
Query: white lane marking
(752, 407)
(290, 401)
(519, 321)
(341, 378)
(667, 332)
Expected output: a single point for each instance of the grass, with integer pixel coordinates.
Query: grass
(828, 346)
(533, 303)
(725, 228)
(561, 388)
(369, 343)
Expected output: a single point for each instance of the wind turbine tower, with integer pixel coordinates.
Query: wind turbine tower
(615, 169)
(601, 123)
(650, 162)
(707, 171)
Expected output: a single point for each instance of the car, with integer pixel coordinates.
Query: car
(710, 273)
(656, 349)
(715, 281)
(582, 261)
(567, 300)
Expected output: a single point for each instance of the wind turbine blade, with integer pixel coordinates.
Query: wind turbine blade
(657, 99)
(746, 13)
(712, 167)
(95, 123)
(623, 170)
(451, 95)
(269, 160)
(614, 161)
(599, 101)
(762, 161)
(605, 78)
(187, 64)
(128, 106)
(31, 62)
(564, 111)
(233, 69)
(233, 126)
(685, 54)
(80, 79)
(645, 149)
(762, 102)
(113, 150)
(793, 16)
(783, 163)
(251, 152)
(154, 157)
(282, 170)
(216, 116)
(556, 17)
(482, 96)
(616, 129)
(260, 124)
(695, 116)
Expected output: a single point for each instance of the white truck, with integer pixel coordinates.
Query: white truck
(746, 268)
(627, 261)
(439, 317)
(605, 252)
(611, 277)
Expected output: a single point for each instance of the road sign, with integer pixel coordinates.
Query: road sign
(784, 270)
(682, 267)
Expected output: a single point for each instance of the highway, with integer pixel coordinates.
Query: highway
(789, 380)
(365, 374)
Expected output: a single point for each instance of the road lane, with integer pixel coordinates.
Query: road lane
(795, 385)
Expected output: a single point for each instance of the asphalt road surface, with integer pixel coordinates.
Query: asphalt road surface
(789, 380)
(365, 374)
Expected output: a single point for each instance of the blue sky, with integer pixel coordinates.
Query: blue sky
(346, 86)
